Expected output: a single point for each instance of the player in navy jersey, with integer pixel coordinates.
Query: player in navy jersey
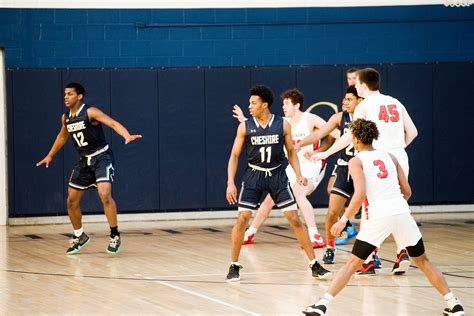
(264, 136)
(95, 166)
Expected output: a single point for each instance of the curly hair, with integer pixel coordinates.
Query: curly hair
(263, 92)
(295, 95)
(364, 130)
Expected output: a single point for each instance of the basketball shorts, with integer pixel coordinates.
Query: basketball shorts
(402, 226)
(256, 184)
(89, 171)
(343, 185)
(313, 171)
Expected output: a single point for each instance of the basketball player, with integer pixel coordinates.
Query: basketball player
(95, 166)
(351, 75)
(302, 123)
(342, 188)
(397, 131)
(379, 176)
(265, 135)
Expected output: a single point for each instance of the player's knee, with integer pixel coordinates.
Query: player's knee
(72, 201)
(105, 197)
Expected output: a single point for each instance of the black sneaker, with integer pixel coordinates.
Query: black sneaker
(77, 243)
(455, 310)
(402, 263)
(315, 310)
(366, 269)
(328, 257)
(114, 245)
(318, 271)
(234, 274)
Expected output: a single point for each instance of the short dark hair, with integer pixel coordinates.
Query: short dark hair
(364, 130)
(352, 90)
(77, 87)
(295, 95)
(352, 70)
(264, 93)
(370, 77)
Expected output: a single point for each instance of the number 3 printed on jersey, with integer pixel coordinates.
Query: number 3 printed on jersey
(389, 113)
(79, 138)
(383, 170)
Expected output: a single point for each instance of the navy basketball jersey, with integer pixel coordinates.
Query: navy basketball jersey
(87, 138)
(265, 145)
(347, 153)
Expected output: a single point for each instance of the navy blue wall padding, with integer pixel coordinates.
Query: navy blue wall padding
(278, 79)
(10, 129)
(37, 101)
(412, 85)
(224, 88)
(182, 139)
(97, 86)
(453, 138)
(185, 116)
(134, 99)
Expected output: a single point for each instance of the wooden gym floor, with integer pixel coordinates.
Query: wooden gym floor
(180, 268)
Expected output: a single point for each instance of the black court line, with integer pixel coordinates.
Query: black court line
(279, 235)
(171, 231)
(68, 235)
(278, 227)
(469, 222)
(135, 233)
(212, 230)
(216, 282)
(33, 236)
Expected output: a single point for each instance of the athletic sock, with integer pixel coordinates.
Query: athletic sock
(325, 299)
(313, 231)
(78, 232)
(330, 243)
(236, 263)
(114, 231)
(451, 300)
(312, 262)
(252, 230)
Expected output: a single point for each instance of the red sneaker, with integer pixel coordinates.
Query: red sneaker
(317, 241)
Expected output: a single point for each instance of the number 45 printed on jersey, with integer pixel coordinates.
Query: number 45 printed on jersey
(389, 113)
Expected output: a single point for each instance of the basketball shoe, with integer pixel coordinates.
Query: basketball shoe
(114, 245)
(234, 274)
(347, 235)
(402, 263)
(77, 243)
(329, 256)
(318, 271)
(317, 241)
(366, 269)
(315, 310)
(248, 238)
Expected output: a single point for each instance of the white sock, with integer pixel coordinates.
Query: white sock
(313, 231)
(236, 263)
(451, 300)
(325, 299)
(312, 262)
(251, 230)
(78, 232)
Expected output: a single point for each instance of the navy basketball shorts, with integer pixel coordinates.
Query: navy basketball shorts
(89, 171)
(256, 184)
(343, 184)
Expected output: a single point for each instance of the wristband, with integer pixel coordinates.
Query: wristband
(344, 219)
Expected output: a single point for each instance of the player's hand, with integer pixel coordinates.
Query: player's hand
(319, 156)
(337, 228)
(46, 161)
(308, 155)
(238, 113)
(302, 181)
(297, 148)
(132, 138)
(231, 194)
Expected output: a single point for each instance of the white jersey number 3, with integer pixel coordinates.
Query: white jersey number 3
(79, 138)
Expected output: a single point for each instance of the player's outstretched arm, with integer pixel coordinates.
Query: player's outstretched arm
(357, 174)
(322, 131)
(231, 192)
(291, 153)
(98, 115)
(59, 142)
